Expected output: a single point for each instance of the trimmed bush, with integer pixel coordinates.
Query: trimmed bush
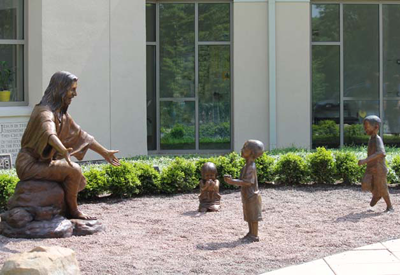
(347, 167)
(230, 164)
(322, 166)
(395, 165)
(149, 178)
(265, 168)
(7, 188)
(291, 169)
(122, 181)
(179, 177)
(96, 184)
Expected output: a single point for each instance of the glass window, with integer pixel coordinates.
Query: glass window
(177, 50)
(214, 22)
(150, 22)
(177, 125)
(325, 23)
(191, 81)
(326, 96)
(11, 52)
(214, 97)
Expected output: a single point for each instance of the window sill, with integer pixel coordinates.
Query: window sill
(17, 111)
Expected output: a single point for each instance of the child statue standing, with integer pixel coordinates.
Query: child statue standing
(209, 189)
(374, 179)
(251, 197)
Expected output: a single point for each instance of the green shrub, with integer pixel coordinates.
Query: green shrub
(149, 178)
(265, 168)
(291, 169)
(178, 177)
(96, 184)
(322, 166)
(7, 188)
(347, 167)
(122, 180)
(391, 176)
(395, 165)
(230, 164)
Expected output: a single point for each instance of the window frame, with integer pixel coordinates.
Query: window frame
(195, 98)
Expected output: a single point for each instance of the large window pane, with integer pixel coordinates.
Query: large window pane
(391, 129)
(214, 22)
(177, 125)
(214, 97)
(151, 98)
(177, 50)
(361, 51)
(12, 72)
(150, 22)
(325, 23)
(326, 95)
(354, 113)
(391, 51)
(11, 19)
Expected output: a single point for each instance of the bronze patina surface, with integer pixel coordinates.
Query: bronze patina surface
(375, 177)
(50, 139)
(251, 197)
(210, 199)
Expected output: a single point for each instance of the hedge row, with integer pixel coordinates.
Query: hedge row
(179, 175)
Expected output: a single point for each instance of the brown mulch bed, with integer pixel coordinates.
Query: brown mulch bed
(166, 235)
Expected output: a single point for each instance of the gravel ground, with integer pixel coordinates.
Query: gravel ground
(166, 235)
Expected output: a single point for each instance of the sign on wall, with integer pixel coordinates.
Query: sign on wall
(5, 161)
(10, 137)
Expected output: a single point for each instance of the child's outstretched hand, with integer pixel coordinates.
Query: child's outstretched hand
(362, 162)
(228, 179)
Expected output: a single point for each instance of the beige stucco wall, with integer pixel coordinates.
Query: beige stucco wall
(293, 74)
(250, 72)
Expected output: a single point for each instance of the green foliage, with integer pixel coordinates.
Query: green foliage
(291, 169)
(265, 168)
(322, 166)
(122, 180)
(347, 167)
(178, 177)
(96, 183)
(395, 165)
(326, 128)
(149, 178)
(7, 187)
(230, 164)
(392, 176)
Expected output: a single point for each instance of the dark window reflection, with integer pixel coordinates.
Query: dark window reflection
(177, 53)
(177, 125)
(326, 96)
(214, 22)
(214, 97)
(325, 23)
(151, 98)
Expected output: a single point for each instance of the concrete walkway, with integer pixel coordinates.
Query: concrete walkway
(375, 259)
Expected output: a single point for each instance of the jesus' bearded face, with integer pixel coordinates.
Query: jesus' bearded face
(71, 93)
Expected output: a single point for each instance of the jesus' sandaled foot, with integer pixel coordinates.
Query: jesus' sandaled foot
(81, 216)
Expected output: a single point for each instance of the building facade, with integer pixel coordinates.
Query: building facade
(204, 76)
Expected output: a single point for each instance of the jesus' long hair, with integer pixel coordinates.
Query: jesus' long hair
(55, 93)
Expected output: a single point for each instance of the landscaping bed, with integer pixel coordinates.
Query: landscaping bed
(166, 235)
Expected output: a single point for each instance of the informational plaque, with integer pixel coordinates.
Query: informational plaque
(5, 161)
(10, 137)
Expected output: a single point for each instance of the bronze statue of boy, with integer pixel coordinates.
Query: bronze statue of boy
(210, 199)
(374, 179)
(251, 197)
(52, 137)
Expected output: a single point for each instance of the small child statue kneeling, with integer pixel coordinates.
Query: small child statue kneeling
(210, 199)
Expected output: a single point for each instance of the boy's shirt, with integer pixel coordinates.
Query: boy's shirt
(375, 144)
(249, 174)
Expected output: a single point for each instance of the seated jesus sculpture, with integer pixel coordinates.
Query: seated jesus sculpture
(52, 137)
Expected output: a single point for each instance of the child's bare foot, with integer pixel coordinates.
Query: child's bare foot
(81, 216)
(252, 238)
(389, 209)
